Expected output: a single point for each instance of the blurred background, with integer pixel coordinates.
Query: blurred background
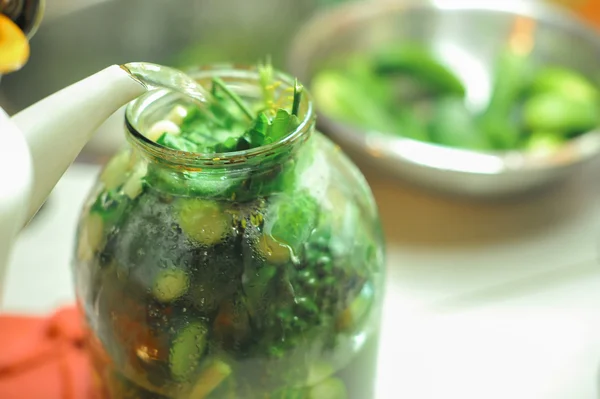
(494, 282)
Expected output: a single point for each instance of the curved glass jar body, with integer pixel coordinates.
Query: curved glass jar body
(254, 274)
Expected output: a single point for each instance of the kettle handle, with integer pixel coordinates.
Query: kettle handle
(16, 179)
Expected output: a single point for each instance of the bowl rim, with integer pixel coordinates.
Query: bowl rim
(419, 153)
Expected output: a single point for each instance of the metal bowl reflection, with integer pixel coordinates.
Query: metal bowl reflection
(468, 36)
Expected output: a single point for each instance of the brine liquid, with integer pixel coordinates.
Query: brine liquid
(358, 377)
(153, 76)
(190, 298)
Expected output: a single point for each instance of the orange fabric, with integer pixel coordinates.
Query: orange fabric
(43, 358)
(590, 10)
(586, 9)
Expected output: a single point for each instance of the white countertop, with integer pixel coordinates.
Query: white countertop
(483, 300)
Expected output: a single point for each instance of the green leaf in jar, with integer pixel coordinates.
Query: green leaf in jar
(111, 206)
(282, 125)
(203, 221)
(218, 82)
(294, 218)
(257, 134)
(177, 142)
(265, 74)
(256, 283)
(205, 184)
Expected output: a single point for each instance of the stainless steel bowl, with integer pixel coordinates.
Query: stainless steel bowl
(468, 36)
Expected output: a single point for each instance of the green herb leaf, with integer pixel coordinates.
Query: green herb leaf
(298, 88)
(295, 219)
(228, 145)
(281, 125)
(255, 136)
(177, 142)
(265, 75)
(233, 96)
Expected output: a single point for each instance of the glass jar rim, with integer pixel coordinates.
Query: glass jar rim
(201, 160)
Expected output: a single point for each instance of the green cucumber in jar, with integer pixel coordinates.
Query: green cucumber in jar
(205, 184)
(203, 222)
(211, 377)
(187, 349)
(170, 284)
(331, 388)
(115, 171)
(289, 393)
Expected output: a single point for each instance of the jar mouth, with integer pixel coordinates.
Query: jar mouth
(149, 102)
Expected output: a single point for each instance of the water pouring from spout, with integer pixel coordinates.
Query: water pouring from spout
(43, 140)
(58, 127)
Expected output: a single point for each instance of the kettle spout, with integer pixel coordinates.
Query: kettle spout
(58, 127)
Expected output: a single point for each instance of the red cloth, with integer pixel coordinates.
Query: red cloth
(44, 358)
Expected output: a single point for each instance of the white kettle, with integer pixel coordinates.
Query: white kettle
(38, 144)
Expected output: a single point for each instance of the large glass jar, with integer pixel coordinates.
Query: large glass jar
(254, 274)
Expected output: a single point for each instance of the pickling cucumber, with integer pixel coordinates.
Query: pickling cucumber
(511, 77)
(453, 126)
(203, 221)
(210, 378)
(273, 251)
(135, 182)
(564, 82)
(90, 236)
(342, 97)
(318, 372)
(288, 393)
(418, 62)
(187, 349)
(332, 388)
(357, 312)
(115, 172)
(170, 284)
(554, 112)
(542, 142)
